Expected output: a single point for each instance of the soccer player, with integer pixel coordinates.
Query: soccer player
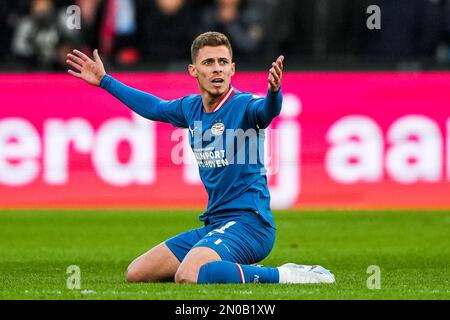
(239, 228)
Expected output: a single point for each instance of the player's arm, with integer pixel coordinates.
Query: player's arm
(145, 104)
(263, 111)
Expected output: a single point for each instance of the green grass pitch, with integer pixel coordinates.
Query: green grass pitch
(412, 250)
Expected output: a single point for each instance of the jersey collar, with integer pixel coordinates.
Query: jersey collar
(223, 100)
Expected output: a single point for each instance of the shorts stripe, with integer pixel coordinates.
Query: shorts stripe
(241, 273)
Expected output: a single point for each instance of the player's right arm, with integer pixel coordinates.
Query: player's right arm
(261, 112)
(145, 104)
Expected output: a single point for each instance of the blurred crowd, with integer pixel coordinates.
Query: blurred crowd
(37, 34)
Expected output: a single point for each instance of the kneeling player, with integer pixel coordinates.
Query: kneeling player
(239, 229)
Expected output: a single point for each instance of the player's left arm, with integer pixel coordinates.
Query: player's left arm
(263, 111)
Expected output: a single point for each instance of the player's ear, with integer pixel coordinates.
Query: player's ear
(233, 69)
(192, 70)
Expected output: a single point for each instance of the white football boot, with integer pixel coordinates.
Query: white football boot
(297, 273)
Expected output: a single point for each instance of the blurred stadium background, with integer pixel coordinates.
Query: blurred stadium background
(365, 125)
(155, 35)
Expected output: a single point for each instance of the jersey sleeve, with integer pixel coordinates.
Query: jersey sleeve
(261, 111)
(145, 104)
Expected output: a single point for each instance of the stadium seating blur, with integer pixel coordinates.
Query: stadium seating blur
(156, 34)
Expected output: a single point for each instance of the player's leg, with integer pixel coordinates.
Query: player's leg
(156, 265)
(194, 260)
(203, 265)
(229, 272)
(232, 272)
(245, 240)
(246, 247)
(239, 238)
(248, 240)
(162, 262)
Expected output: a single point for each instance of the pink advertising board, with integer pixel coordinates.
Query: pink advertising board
(343, 141)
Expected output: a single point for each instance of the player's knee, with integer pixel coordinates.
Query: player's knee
(186, 275)
(133, 275)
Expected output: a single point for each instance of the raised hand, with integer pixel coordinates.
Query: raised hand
(275, 74)
(91, 71)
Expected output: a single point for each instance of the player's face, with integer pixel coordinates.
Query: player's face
(213, 69)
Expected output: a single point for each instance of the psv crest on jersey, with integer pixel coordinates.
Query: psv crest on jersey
(218, 128)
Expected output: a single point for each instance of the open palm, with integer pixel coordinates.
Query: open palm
(91, 71)
(275, 74)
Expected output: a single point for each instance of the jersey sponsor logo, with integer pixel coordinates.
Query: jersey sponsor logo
(218, 128)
